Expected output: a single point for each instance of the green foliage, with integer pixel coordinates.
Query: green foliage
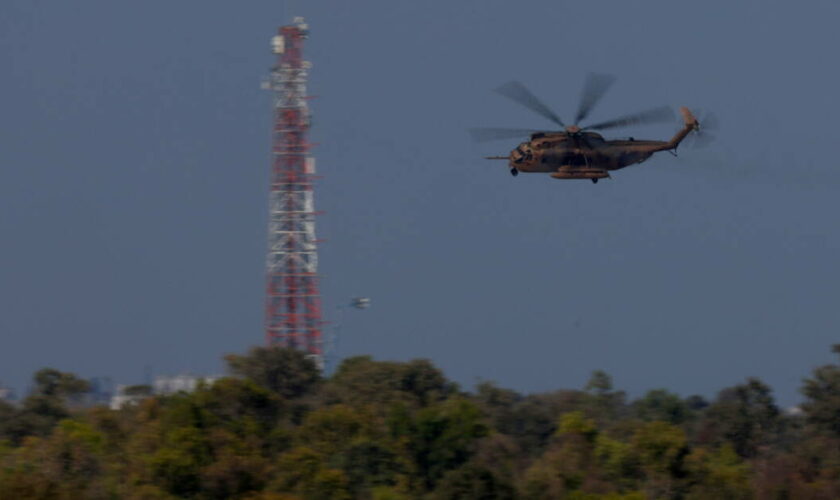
(44, 407)
(369, 464)
(599, 384)
(603, 403)
(474, 481)
(8, 422)
(233, 472)
(361, 380)
(394, 431)
(67, 464)
(176, 465)
(822, 393)
(289, 373)
(662, 405)
(660, 447)
(618, 461)
(332, 429)
(718, 474)
(388, 493)
(241, 406)
(50, 382)
(744, 416)
(576, 424)
(571, 463)
(297, 468)
(138, 390)
(530, 420)
(443, 437)
(329, 484)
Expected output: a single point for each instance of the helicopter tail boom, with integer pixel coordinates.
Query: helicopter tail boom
(691, 124)
(688, 118)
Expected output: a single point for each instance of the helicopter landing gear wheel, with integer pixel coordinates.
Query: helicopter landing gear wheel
(594, 181)
(514, 172)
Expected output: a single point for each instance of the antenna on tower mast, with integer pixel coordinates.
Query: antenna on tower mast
(293, 303)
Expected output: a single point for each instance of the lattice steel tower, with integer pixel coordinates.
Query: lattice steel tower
(293, 304)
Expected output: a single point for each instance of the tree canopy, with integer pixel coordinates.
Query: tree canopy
(277, 429)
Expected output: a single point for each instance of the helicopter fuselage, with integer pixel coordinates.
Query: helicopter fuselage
(586, 154)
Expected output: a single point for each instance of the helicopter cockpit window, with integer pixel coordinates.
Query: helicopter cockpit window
(525, 152)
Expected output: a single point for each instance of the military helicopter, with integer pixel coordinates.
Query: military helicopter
(576, 151)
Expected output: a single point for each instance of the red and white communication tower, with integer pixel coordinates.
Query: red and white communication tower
(293, 303)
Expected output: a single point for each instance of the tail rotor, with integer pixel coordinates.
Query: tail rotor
(706, 131)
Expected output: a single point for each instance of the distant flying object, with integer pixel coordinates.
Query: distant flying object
(360, 302)
(575, 152)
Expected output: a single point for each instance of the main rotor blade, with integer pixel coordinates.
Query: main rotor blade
(655, 115)
(487, 134)
(593, 90)
(517, 92)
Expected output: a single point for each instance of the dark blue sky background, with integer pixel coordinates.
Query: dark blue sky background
(134, 160)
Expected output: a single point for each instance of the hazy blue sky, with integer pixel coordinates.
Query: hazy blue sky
(134, 156)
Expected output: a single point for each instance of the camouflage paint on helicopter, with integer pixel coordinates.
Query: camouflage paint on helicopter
(577, 152)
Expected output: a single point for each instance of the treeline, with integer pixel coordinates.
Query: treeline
(275, 429)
